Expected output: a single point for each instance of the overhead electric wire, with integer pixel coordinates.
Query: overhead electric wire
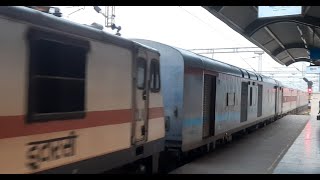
(218, 32)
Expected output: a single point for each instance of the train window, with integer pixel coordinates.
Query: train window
(141, 73)
(250, 96)
(155, 76)
(57, 73)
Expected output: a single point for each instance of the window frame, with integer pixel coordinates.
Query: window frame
(140, 59)
(155, 63)
(33, 35)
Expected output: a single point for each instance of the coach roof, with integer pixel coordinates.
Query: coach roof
(65, 26)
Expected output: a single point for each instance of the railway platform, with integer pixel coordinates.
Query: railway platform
(303, 157)
(290, 145)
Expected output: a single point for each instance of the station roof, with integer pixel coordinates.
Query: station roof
(287, 39)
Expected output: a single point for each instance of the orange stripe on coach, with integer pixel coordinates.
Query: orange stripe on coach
(14, 126)
(156, 112)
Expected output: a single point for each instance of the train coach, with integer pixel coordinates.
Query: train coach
(75, 99)
(293, 100)
(206, 100)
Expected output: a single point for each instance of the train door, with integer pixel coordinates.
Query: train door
(279, 101)
(141, 97)
(209, 102)
(298, 99)
(244, 101)
(260, 90)
(252, 104)
(276, 100)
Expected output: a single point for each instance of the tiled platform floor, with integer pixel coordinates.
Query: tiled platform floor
(303, 157)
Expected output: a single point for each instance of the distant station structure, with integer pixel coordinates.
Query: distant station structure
(288, 34)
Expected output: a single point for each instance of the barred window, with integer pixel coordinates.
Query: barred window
(56, 77)
(155, 76)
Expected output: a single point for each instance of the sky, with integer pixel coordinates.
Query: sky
(187, 27)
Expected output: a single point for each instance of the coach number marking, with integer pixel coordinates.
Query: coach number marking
(50, 150)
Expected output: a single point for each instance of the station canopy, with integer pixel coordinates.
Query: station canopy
(288, 34)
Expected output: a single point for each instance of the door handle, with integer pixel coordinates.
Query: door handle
(143, 130)
(144, 95)
(176, 112)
